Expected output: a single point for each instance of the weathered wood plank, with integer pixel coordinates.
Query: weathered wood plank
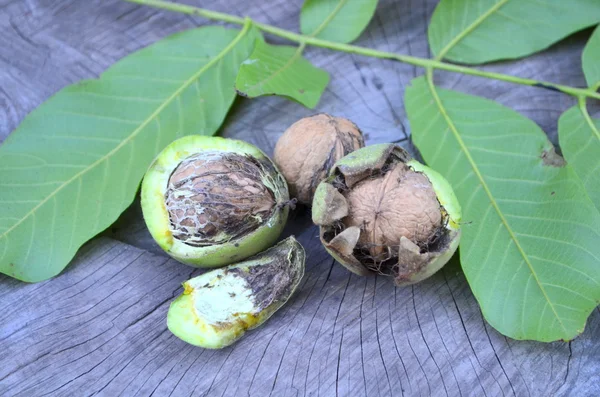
(100, 326)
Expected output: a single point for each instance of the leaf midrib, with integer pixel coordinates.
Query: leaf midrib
(329, 18)
(465, 150)
(470, 28)
(135, 132)
(487, 190)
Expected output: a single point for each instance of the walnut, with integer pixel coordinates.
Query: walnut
(398, 203)
(308, 149)
(210, 201)
(381, 212)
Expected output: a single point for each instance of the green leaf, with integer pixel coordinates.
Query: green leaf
(75, 163)
(479, 31)
(530, 247)
(578, 133)
(281, 70)
(579, 137)
(336, 20)
(591, 59)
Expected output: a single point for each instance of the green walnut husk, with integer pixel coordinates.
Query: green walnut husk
(382, 212)
(217, 308)
(211, 201)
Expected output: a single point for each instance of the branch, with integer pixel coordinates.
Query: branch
(353, 49)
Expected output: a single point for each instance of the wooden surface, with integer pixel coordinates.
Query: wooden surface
(99, 328)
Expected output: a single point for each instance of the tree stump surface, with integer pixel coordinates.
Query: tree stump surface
(99, 327)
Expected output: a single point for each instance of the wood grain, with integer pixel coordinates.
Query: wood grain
(99, 328)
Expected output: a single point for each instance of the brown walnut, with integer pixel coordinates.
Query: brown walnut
(392, 205)
(310, 147)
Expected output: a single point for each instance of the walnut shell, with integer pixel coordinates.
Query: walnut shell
(398, 203)
(213, 197)
(310, 147)
(380, 211)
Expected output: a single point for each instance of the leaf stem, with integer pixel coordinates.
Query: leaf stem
(588, 119)
(353, 49)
